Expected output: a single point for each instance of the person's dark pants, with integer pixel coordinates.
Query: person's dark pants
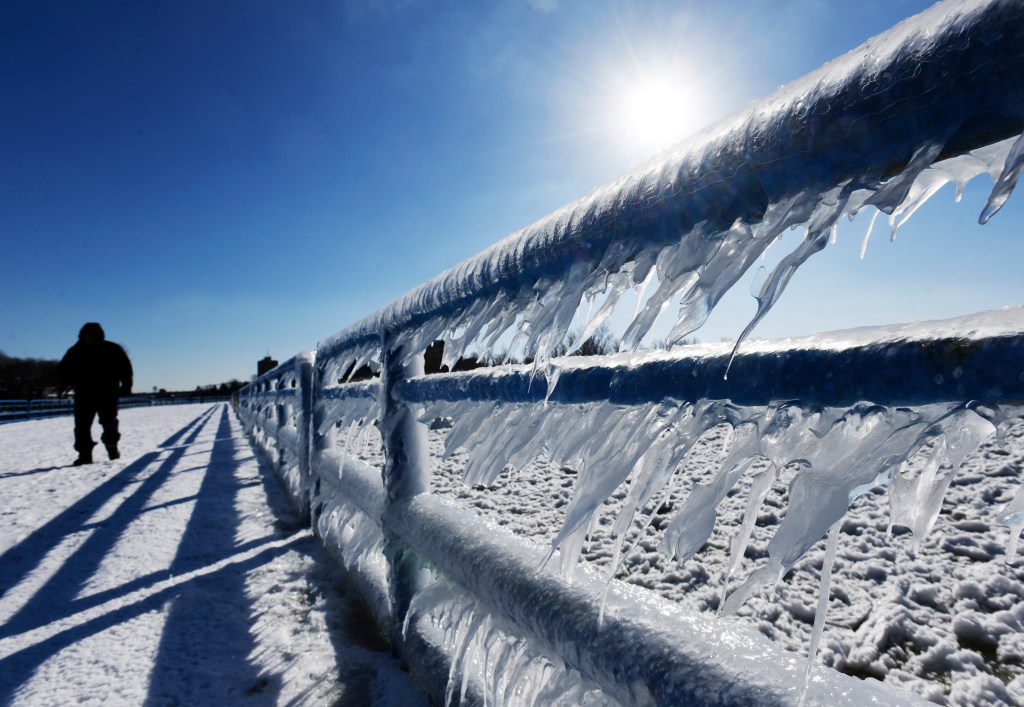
(87, 407)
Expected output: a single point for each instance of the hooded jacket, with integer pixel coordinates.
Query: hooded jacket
(99, 368)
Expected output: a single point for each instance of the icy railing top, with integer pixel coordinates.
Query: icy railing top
(974, 357)
(934, 100)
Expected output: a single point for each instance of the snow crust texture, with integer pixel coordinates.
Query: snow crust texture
(178, 574)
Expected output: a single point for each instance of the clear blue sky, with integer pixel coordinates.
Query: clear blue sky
(216, 181)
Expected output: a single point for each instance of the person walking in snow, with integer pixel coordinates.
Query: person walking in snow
(99, 371)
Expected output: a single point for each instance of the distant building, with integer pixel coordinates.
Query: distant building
(265, 364)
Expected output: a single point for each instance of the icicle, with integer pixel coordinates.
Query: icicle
(552, 375)
(1006, 182)
(555, 310)
(617, 440)
(513, 438)
(895, 191)
(654, 470)
(1011, 545)
(515, 691)
(465, 630)
(1012, 515)
(819, 615)
(598, 319)
(929, 182)
(426, 597)
(678, 270)
(759, 489)
(915, 503)
(695, 521)
(736, 250)
(871, 226)
(777, 282)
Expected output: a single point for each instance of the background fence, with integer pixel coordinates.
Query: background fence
(13, 410)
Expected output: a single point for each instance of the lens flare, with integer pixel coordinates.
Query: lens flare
(656, 113)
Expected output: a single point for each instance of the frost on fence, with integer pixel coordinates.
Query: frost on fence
(869, 131)
(833, 453)
(938, 99)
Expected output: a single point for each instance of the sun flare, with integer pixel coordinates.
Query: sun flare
(656, 113)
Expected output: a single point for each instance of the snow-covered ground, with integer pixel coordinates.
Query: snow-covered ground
(178, 575)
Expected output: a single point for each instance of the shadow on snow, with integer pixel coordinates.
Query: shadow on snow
(199, 633)
(205, 649)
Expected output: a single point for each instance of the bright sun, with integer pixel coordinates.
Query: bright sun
(657, 112)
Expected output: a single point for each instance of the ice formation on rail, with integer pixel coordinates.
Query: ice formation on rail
(691, 222)
(692, 274)
(834, 455)
(681, 231)
(503, 667)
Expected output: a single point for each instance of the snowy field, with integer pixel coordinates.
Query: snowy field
(177, 575)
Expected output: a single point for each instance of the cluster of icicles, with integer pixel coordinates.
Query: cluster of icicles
(658, 437)
(693, 273)
(508, 669)
(839, 453)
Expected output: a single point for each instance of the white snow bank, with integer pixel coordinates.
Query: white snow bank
(177, 574)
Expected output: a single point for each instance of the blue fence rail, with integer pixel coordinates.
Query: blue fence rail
(15, 410)
(454, 592)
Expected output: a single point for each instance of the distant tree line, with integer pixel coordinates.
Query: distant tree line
(31, 378)
(215, 390)
(601, 343)
(27, 377)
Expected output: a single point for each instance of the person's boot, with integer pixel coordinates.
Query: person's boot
(112, 451)
(83, 458)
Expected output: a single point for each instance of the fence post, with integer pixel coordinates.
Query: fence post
(315, 441)
(304, 428)
(406, 470)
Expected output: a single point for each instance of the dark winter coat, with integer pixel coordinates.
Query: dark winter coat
(97, 369)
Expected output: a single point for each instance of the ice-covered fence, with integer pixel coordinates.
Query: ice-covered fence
(937, 99)
(676, 657)
(276, 410)
(13, 410)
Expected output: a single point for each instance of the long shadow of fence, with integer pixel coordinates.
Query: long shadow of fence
(204, 652)
(208, 538)
(207, 632)
(21, 559)
(18, 667)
